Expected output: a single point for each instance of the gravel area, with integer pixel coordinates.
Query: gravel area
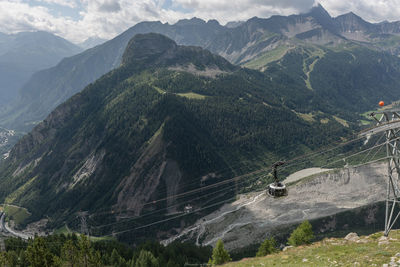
(249, 219)
(304, 173)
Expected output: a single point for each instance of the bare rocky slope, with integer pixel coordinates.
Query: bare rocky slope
(254, 216)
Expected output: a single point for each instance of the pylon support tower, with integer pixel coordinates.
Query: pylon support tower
(84, 228)
(388, 122)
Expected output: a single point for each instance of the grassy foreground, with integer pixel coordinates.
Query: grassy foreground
(367, 251)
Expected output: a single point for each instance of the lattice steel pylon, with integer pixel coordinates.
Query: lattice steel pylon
(389, 123)
(84, 228)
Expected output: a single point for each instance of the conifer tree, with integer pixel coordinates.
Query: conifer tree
(115, 257)
(69, 253)
(3, 258)
(146, 259)
(12, 258)
(38, 254)
(220, 255)
(267, 247)
(84, 250)
(303, 234)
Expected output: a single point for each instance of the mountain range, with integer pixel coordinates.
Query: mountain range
(25, 53)
(254, 44)
(130, 126)
(170, 119)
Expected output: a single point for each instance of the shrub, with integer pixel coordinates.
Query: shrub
(376, 235)
(303, 234)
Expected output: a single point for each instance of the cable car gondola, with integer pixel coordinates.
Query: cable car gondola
(188, 209)
(277, 188)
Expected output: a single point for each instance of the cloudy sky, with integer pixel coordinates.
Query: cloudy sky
(77, 20)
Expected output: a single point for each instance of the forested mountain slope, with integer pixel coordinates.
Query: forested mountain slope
(51, 87)
(352, 79)
(170, 119)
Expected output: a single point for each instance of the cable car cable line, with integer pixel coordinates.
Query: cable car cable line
(352, 155)
(231, 179)
(185, 214)
(302, 157)
(371, 150)
(358, 153)
(292, 161)
(177, 204)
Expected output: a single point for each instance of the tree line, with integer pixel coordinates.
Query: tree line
(78, 250)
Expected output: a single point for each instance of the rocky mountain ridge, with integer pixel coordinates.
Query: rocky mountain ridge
(249, 42)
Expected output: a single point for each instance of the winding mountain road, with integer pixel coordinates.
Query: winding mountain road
(4, 227)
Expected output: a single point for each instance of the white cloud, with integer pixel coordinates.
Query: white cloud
(300, 5)
(107, 18)
(102, 18)
(227, 10)
(67, 3)
(18, 16)
(370, 10)
(110, 6)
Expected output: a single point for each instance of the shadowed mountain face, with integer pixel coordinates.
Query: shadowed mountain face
(253, 43)
(23, 54)
(170, 119)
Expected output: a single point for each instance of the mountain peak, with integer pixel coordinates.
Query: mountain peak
(213, 22)
(234, 24)
(351, 15)
(145, 46)
(192, 21)
(319, 11)
(156, 50)
(351, 22)
(322, 17)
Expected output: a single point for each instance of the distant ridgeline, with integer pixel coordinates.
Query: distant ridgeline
(25, 53)
(345, 58)
(169, 120)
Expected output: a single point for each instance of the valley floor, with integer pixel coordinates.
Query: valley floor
(372, 250)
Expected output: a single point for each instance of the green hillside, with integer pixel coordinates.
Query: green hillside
(352, 79)
(365, 251)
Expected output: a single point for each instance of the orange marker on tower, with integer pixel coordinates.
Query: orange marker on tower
(381, 103)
